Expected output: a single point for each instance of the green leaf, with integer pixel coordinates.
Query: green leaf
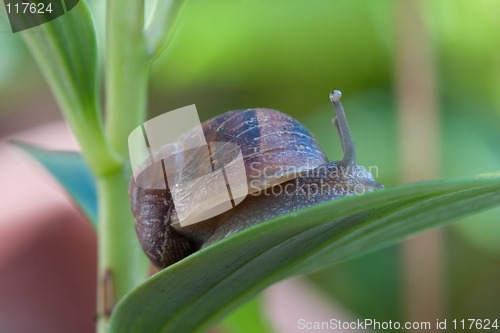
(66, 52)
(73, 174)
(197, 291)
(165, 18)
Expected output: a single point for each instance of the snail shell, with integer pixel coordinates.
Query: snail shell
(285, 168)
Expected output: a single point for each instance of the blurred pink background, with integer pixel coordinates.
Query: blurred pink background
(47, 249)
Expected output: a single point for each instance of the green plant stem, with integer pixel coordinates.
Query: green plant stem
(121, 262)
(122, 265)
(127, 71)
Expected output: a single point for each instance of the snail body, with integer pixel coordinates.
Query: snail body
(286, 171)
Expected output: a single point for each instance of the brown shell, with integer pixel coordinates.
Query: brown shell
(153, 210)
(275, 148)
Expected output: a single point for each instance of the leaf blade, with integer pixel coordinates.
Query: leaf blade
(71, 171)
(192, 294)
(66, 52)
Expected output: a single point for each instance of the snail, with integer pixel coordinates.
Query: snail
(299, 175)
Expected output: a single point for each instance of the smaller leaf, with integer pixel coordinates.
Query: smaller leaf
(71, 171)
(162, 25)
(65, 49)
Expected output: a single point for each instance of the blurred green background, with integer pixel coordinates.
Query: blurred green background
(289, 55)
